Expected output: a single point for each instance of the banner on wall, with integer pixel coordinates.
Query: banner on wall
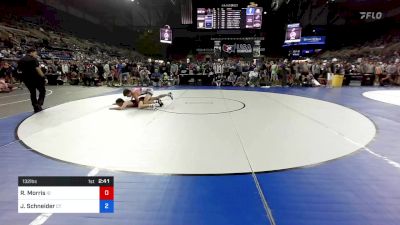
(237, 48)
(293, 33)
(313, 40)
(166, 35)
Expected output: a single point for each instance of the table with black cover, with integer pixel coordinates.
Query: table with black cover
(366, 79)
(200, 80)
(52, 79)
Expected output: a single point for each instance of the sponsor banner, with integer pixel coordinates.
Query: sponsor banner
(293, 33)
(313, 40)
(166, 35)
(242, 48)
(371, 15)
(308, 40)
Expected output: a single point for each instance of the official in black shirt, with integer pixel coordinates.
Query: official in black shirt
(33, 78)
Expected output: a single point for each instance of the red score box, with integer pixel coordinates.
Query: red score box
(106, 193)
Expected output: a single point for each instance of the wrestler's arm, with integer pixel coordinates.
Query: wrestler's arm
(135, 96)
(124, 106)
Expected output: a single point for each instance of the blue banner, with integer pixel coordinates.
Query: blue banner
(313, 40)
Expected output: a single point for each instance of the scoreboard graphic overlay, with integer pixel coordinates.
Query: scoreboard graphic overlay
(65, 194)
(229, 18)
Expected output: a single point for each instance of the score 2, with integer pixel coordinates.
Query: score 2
(106, 199)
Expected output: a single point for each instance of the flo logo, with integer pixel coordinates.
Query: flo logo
(371, 15)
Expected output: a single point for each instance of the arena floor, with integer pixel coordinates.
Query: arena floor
(285, 156)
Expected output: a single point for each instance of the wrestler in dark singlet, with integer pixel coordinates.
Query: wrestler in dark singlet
(135, 103)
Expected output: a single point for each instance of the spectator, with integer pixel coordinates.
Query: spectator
(283, 75)
(5, 86)
(274, 72)
(100, 72)
(391, 73)
(241, 81)
(230, 81)
(156, 78)
(218, 80)
(144, 77)
(6, 73)
(264, 80)
(316, 70)
(253, 78)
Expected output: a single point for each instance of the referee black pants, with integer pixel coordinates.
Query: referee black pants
(38, 85)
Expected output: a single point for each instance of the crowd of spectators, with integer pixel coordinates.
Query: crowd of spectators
(381, 48)
(306, 73)
(280, 72)
(65, 59)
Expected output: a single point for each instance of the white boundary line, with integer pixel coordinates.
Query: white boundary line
(14, 95)
(389, 161)
(361, 146)
(3, 146)
(42, 218)
(264, 201)
(26, 100)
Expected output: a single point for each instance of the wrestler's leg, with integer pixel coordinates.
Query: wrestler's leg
(143, 105)
(148, 99)
(162, 96)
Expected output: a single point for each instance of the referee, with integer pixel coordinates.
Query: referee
(33, 78)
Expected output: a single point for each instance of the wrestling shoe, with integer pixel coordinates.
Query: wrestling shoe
(152, 107)
(37, 109)
(170, 95)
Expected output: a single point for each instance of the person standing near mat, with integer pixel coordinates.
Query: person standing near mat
(34, 78)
